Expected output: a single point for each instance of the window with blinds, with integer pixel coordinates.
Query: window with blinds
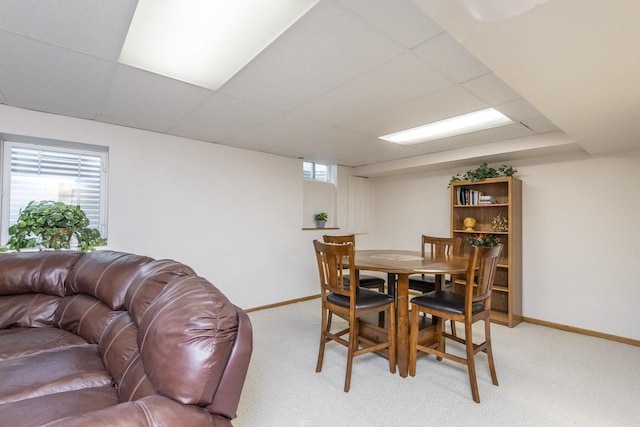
(59, 173)
(317, 172)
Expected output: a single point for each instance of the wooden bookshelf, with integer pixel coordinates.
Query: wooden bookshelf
(506, 299)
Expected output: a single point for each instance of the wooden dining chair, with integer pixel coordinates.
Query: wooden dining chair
(364, 280)
(473, 306)
(439, 246)
(351, 303)
(435, 246)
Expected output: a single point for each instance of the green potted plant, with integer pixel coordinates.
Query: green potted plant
(51, 225)
(320, 219)
(483, 239)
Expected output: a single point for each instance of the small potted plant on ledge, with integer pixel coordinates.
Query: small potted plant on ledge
(320, 219)
(51, 225)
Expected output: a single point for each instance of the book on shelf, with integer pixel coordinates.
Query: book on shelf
(468, 196)
(486, 199)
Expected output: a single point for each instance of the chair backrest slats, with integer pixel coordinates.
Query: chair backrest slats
(483, 263)
(335, 260)
(437, 246)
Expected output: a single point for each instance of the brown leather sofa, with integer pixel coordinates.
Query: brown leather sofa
(108, 338)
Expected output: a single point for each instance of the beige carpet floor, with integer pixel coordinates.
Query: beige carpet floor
(547, 377)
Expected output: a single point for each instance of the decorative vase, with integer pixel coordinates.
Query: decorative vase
(500, 223)
(57, 237)
(469, 223)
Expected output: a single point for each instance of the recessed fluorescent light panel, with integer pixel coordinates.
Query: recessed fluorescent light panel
(472, 122)
(205, 42)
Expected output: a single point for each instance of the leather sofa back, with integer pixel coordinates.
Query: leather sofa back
(32, 284)
(95, 290)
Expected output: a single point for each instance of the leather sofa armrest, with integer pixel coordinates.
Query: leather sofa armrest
(226, 400)
(150, 411)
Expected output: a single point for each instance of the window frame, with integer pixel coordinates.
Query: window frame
(330, 173)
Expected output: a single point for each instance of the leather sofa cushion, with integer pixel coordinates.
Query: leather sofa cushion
(85, 316)
(185, 355)
(51, 372)
(152, 411)
(45, 272)
(40, 410)
(17, 342)
(27, 310)
(105, 275)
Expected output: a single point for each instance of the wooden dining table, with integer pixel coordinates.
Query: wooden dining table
(399, 264)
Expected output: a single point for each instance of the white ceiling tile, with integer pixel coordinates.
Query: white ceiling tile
(97, 27)
(518, 110)
(312, 146)
(402, 20)
(448, 56)
(222, 117)
(49, 78)
(149, 101)
(281, 129)
(402, 79)
(540, 125)
(344, 147)
(491, 89)
(324, 49)
(438, 106)
(373, 150)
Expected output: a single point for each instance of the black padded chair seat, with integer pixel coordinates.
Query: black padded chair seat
(422, 284)
(445, 301)
(366, 281)
(365, 299)
(425, 283)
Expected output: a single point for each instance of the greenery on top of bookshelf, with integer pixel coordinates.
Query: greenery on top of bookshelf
(483, 172)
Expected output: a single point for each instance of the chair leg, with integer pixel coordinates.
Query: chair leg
(471, 366)
(324, 327)
(453, 328)
(440, 340)
(492, 366)
(381, 314)
(391, 336)
(413, 341)
(353, 347)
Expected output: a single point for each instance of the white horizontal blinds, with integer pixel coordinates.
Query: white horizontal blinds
(317, 171)
(307, 170)
(321, 173)
(65, 175)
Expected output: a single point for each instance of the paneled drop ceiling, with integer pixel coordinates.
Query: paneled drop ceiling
(348, 72)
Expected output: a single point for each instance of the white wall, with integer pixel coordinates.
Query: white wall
(233, 215)
(236, 217)
(581, 226)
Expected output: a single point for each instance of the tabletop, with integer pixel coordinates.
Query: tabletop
(409, 262)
